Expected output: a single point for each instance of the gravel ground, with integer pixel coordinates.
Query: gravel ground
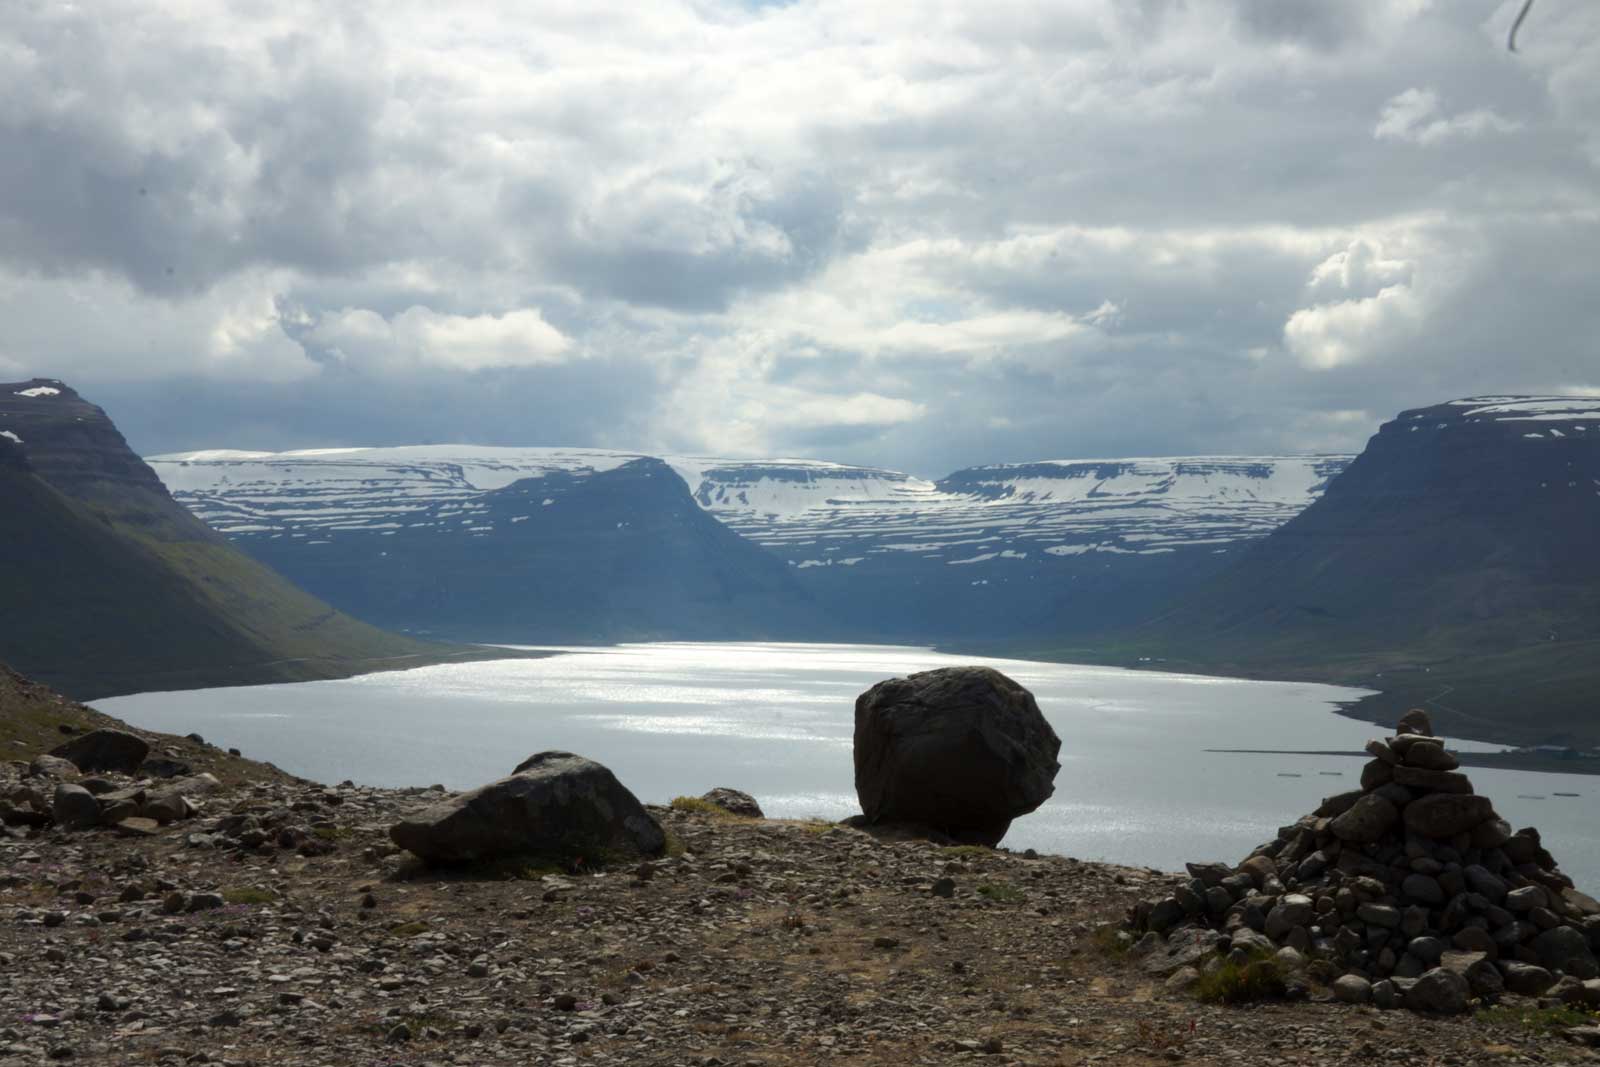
(280, 926)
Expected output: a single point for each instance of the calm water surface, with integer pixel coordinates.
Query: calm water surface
(1136, 784)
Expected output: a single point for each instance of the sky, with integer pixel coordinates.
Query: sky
(916, 235)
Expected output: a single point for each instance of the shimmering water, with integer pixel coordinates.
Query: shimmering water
(1136, 784)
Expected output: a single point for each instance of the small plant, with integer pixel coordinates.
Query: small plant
(411, 929)
(1111, 940)
(1536, 1020)
(331, 833)
(966, 852)
(1001, 893)
(697, 806)
(675, 846)
(1257, 978)
(249, 895)
(815, 825)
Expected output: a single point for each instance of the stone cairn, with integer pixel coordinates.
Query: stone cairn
(1408, 892)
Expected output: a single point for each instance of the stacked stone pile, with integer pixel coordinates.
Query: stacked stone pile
(1409, 891)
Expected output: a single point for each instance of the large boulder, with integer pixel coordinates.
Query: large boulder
(963, 750)
(554, 803)
(105, 750)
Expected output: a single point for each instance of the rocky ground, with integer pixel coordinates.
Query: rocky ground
(761, 943)
(279, 925)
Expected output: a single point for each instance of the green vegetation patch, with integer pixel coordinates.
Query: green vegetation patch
(1111, 940)
(966, 852)
(1258, 978)
(1537, 1020)
(697, 806)
(249, 895)
(1001, 893)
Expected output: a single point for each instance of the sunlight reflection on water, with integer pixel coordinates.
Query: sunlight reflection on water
(1136, 785)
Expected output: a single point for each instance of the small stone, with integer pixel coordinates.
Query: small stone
(1440, 992)
(1421, 887)
(1415, 721)
(884, 941)
(1352, 989)
(1526, 898)
(943, 887)
(1526, 979)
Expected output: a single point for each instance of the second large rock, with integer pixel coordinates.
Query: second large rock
(962, 750)
(554, 803)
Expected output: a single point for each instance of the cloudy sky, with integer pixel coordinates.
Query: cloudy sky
(920, 235)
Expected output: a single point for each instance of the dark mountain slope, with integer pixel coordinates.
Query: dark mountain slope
(566, 556)
(1454, 564)
(112, 587)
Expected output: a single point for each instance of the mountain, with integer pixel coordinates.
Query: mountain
(1452, 565)
(1061, 546)
(549, 545)
(112, 587)
(869, 553)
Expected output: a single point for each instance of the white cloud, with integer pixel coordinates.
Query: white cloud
(903, 229)
(1410, 116)
(419, 336)
(1327, 336)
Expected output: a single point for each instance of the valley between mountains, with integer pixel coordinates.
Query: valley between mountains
(1450, 565)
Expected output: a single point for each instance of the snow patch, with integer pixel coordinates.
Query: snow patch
(38, 390)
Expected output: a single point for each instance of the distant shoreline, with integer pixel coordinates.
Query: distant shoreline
(1510, 761)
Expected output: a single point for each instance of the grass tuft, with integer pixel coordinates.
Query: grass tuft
(967, 852)
(1258, 978)
(1001, 893)
(249, 895)
(1537, 1020)
(1111, 940)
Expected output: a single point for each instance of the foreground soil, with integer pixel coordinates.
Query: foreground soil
(280, 926)
(763, 943)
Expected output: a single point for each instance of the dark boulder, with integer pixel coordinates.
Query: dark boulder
(74, 808)
(734, 802)
(105, 750)
(1415, 721)
(554, 803)
(1444, 815)
(963, 750)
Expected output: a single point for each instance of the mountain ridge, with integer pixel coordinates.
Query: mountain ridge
(886, 556)
(113, 587)
(1451, 565)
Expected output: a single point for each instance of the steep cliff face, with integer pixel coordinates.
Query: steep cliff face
(1459, 547)
(111, 586)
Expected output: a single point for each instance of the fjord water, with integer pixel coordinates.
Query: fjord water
(1137, 784)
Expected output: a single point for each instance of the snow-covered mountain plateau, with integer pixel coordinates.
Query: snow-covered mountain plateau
(1001, 549)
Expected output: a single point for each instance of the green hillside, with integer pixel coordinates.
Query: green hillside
(111, 587)
(1452, 566)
